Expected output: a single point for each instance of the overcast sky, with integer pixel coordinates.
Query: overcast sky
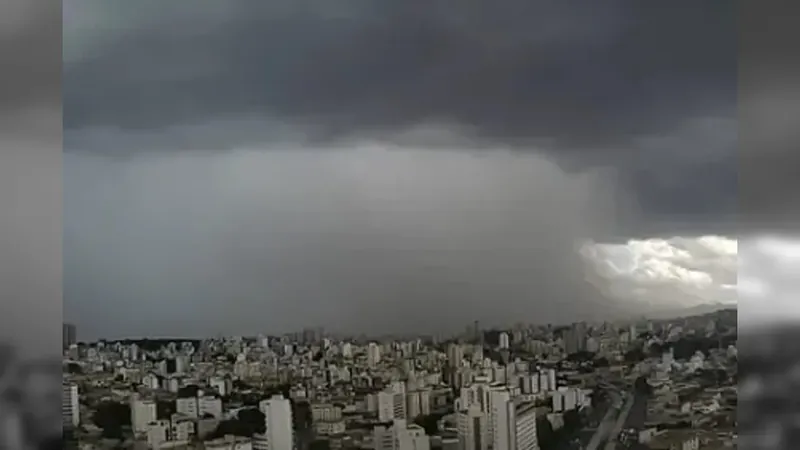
(247, 166)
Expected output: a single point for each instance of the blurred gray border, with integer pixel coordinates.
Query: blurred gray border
(30, 177)
(769, 103)
(769, 202)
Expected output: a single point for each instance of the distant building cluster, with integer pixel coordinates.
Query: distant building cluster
(616, 385)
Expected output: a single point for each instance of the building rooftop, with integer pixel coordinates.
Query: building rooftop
(707, 439)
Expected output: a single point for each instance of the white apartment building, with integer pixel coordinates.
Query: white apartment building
(187, 406)
(209, 405)
(544, 382)
(278, 417)
(327, 419)
(199, 406)
(569, 398)
(455, 355)
(473, 429)
(424, 401)
(373, 354)
(504, 340)
(329, 428)
(181, 428)
(526, 437)
(223, 385)
(528, 383)
(514, 423)
(143, 413)
(481, 394)
(503, 420)
(70, 407)
(400, 436)
(325, 412)
(347, 350)
(392, 403)
(157, 433)
(413, 406)
(151, 381)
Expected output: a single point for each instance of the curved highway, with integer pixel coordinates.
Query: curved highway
(622, 419)
(608, 423)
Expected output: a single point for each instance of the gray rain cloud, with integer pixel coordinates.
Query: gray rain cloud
(280, 164)
(362, 239)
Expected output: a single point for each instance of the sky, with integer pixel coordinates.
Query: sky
(242, 167)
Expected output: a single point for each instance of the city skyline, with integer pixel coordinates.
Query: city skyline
(470, 335)
(226, 173)
(532, 388)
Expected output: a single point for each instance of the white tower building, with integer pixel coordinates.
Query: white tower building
(504, 340)
(278, 417)
(70, 407)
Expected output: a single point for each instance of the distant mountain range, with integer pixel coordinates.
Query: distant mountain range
(688, 312)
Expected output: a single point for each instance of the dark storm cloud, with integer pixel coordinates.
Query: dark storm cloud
(578, 73)
(591, 85)
(251, 227)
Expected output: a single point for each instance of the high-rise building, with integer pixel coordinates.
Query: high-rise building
(502, 420)
(455, 355)
(187, 406)
(143, 412)
(473, 430)
(157, 433)
(70, 407)
(504, 340)
(552, 379)
(544, 382)
(400, 436)
(526, 438)
(209, 405)
(412, 437)
(373, 354)
(570, 398)
(392, 403)
(278, 419)
(481, 394)
(69, 335)
(514, 423)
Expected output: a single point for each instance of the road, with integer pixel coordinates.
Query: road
(606, 424)
(619, 424)
(638, 414)
(637, 417)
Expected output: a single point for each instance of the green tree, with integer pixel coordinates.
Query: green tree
(320, 445)
(572, 421)
(111, 417)
(248, 422)
(429, 422)
(601, 362)
(545, 434)
(634, 356)
(74, 369)
(165, 409)
(188, 391)
(253, 418)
